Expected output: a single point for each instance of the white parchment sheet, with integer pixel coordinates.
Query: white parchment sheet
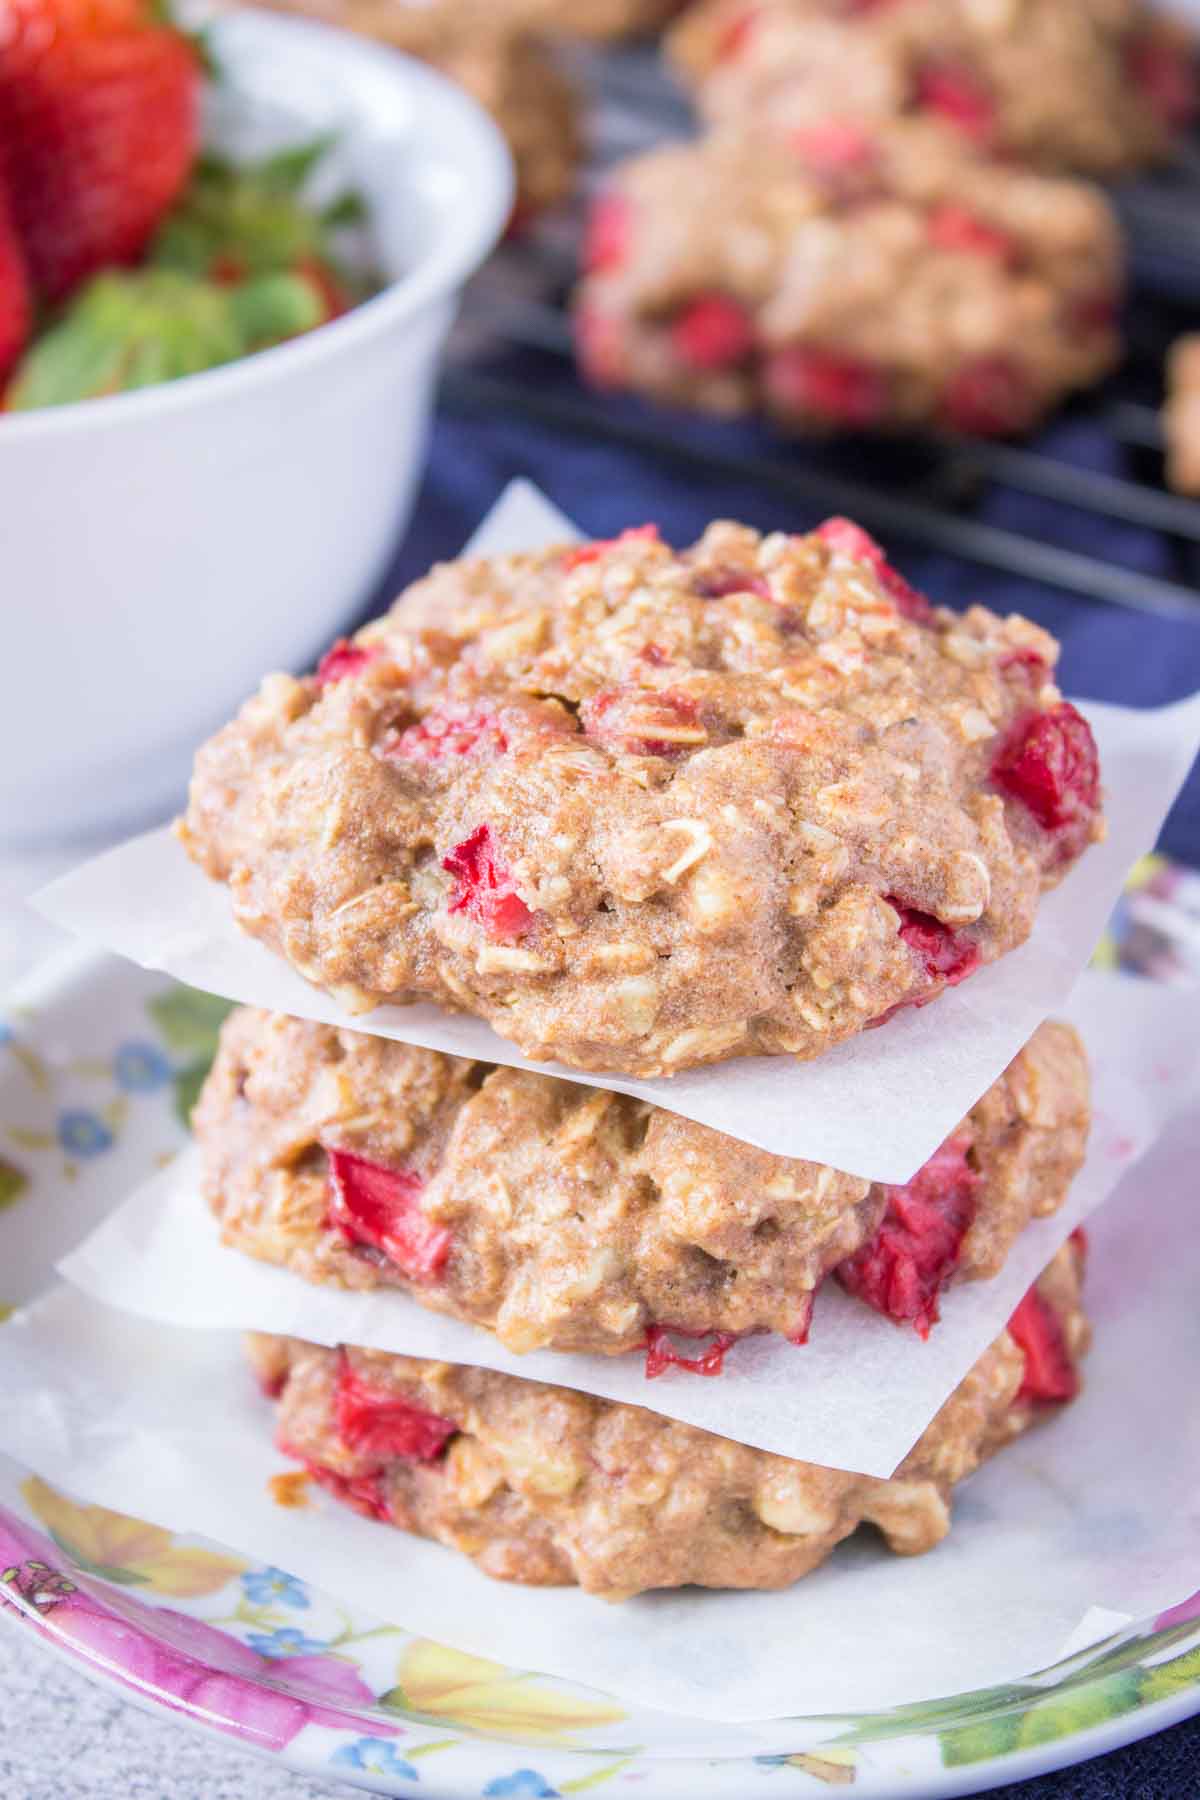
(878, 1105)
(857, 1396)
(1095, 1510)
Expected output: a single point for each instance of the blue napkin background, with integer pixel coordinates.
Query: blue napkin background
(1108, 654)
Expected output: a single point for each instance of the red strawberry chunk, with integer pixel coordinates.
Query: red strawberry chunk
(381, 1207)
(834, 144)
(586, 553)
(718, 584)
(609, 230)
(713, 332)
(486, 891)
(1166, 78)
(1050, 1375)
(1097, 311)
(453, 729)
(952, 227)
(1049, 762)
(383, 1425)
(644, 721)
(903, 1269)
(662, 1355)
(363, 1493)
(736, 35)
(1029, 662)
(825, 385)
(989, 396)
(947, 956)
(1079, 1238)
(957, 94)
(343, 659)
(851, 540)
(16, 305)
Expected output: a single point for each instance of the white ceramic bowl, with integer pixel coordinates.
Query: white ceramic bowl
(160, 551)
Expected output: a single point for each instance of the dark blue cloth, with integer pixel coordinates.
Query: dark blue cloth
(1108, 654)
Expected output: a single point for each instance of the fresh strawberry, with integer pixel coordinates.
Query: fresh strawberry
(713, 332)
(484, 889)
(1050, 1374)
(99, 128)
(381, 1208)
(15, 307)
(383, 1425)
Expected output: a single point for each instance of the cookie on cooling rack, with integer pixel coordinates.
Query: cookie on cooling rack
(1096, 86)
(644, 809)
(550, 1487)
(850, 276)
(563, 1217)
(483, 49)
(1181, 415)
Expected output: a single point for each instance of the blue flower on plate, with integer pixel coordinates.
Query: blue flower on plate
(375, 1756)
(523, 1784)
(264, 1586)
(81, 1133)
(287, 1641)
(140, 1068)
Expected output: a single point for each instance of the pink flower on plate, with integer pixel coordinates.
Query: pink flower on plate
(1182, 1614)
(186, 1664)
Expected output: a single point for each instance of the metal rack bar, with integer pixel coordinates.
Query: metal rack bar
(990, 546)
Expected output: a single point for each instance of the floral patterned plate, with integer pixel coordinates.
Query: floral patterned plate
(99, 1063)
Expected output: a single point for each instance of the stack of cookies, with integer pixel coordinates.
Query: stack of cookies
(885, 225)
(641, 810)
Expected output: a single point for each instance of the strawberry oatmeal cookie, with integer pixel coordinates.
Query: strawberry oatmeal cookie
(643, 810)
(510, 74)
(562, 1217)
(550, 1487)
(879, 277)
(1096, 86)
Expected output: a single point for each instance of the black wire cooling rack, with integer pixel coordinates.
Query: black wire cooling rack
(925, 491)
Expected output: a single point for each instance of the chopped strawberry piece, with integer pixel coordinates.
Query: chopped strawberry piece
(800, 1330)
(272, 1386)
(600, 346)
(1048, 761)
(957, 94)
(644, 721)
(1098, 311)
(713, 332)
(834, 144)
(609, 229)
(904, 1268)
(655, 655)
(834, 389)
(947, 956)
(453, 729)
(952, 227)
(1050, 1375)
(718, 584)
(1166, 77)
(851, 540)
(1030, 662)
(363, 1493)
(736, 35)
(381, 1207)
(342, 659)
(386, 1426)
(586, 553)
(1079, 1238)
(990, 396)
(662, 1355)
(486, 891)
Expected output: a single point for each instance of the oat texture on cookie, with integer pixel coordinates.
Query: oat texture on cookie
(643, 809)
